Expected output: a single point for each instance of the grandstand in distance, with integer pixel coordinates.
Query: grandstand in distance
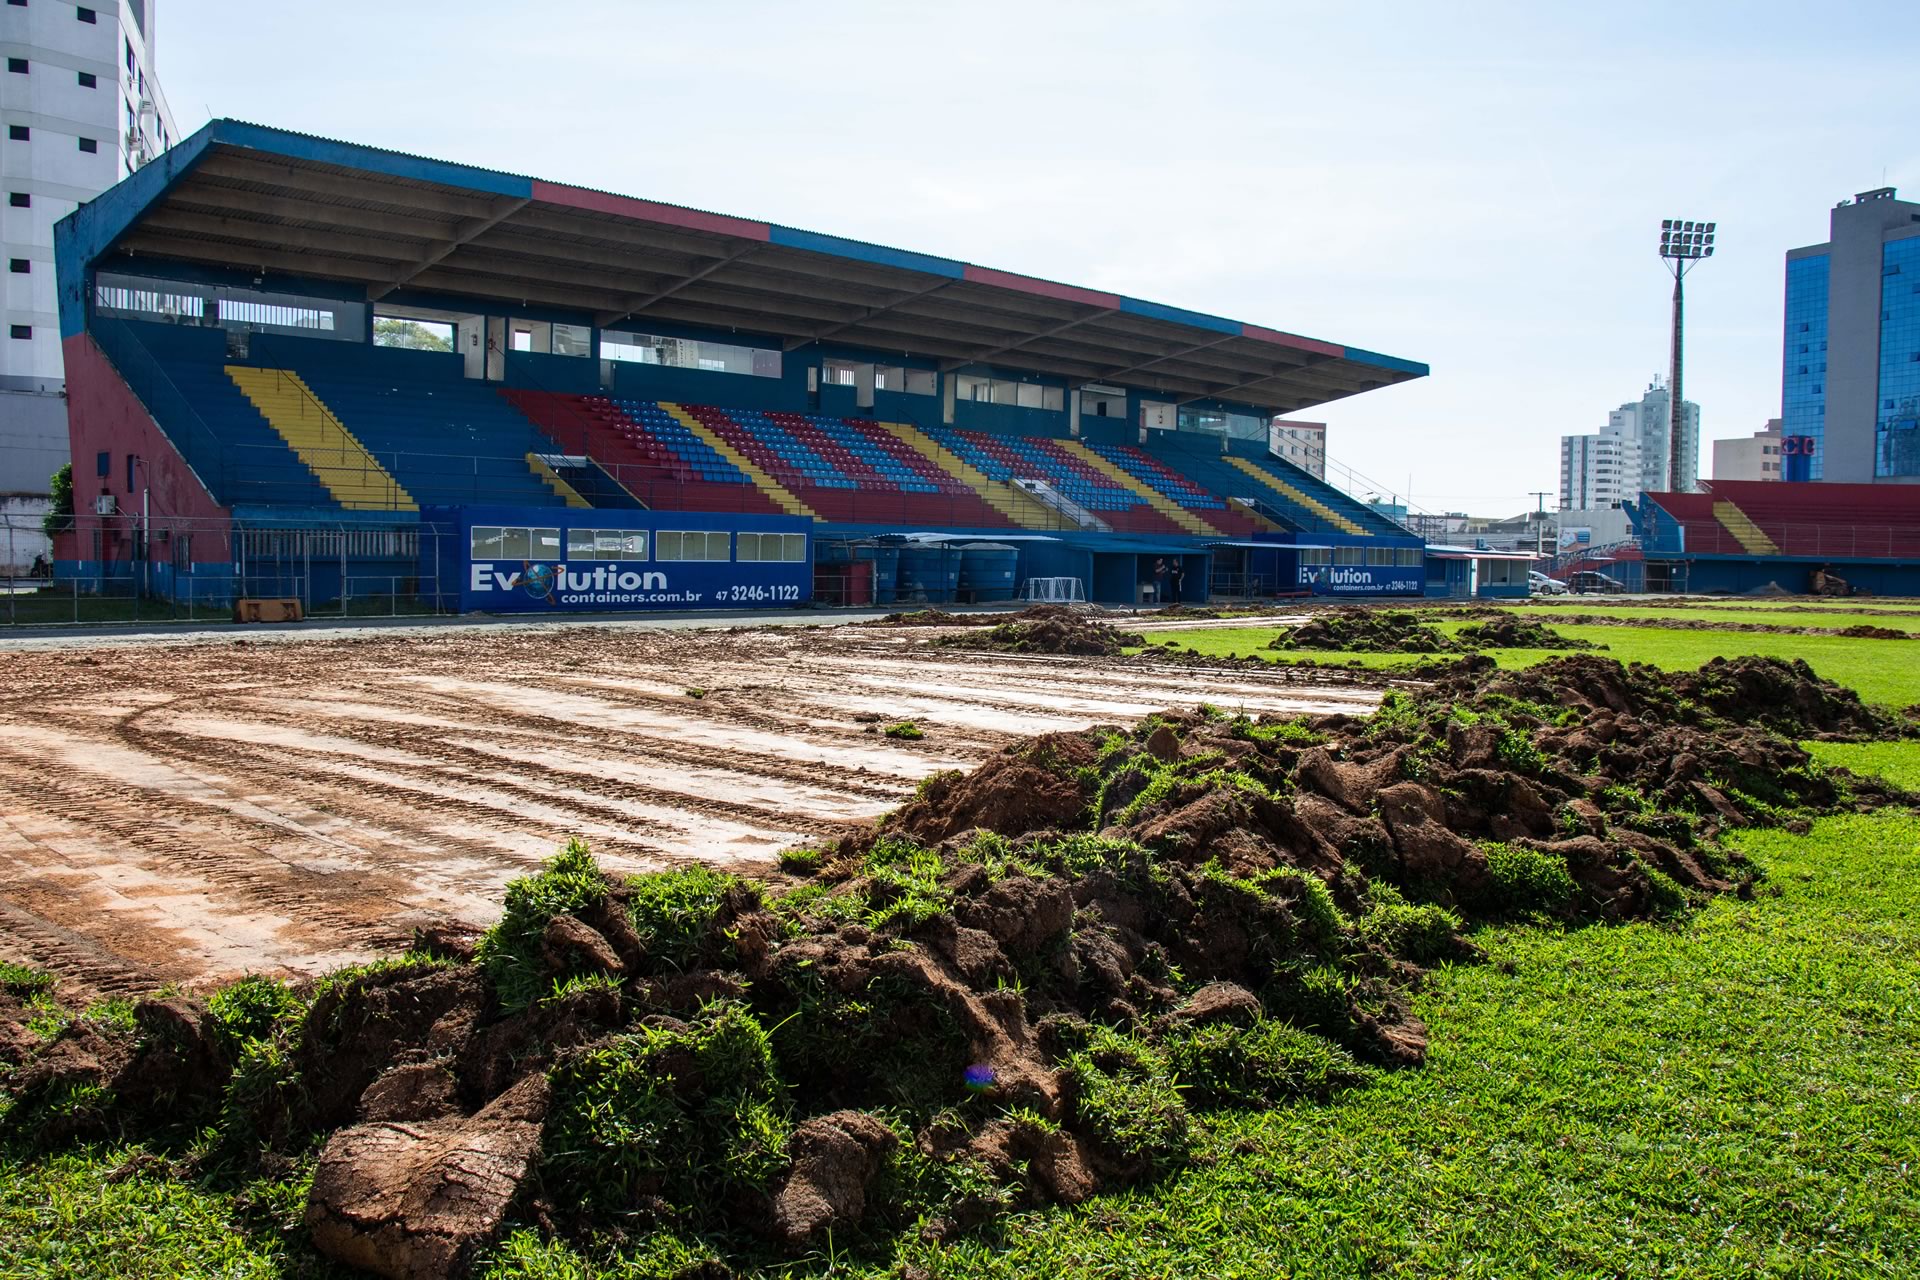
(299, 366)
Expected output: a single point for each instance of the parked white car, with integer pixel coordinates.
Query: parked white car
(1542, 585)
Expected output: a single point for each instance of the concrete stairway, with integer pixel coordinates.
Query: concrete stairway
(1017, 505)
(1159, 501)
(1744, 530)
(1296, 496)
(340, 462)
(780, 494)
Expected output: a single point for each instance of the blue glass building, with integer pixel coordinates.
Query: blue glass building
(1850, 352)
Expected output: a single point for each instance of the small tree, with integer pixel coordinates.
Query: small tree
(59, 517)
(392, 331)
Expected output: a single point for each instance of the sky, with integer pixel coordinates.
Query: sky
(1477, 186)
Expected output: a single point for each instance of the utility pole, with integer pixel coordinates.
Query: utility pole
(1682, 246)
(1539, 522)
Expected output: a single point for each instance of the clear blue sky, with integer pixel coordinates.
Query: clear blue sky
(1476, 186)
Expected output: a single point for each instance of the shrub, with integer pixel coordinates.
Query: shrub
(1223, 1065)
(568, 884)
(1526, 879)
(906, 730)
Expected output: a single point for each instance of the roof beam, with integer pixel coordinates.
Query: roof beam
(987, 353)
(1123, 370)
(502, 207)
(828, 332)
(1254, 382)
(226, 255)
(225, 202)
(246, 234)
(333, 184)
(641, 301)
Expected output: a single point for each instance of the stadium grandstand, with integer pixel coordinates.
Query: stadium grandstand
(302, 366)
(1750, 535)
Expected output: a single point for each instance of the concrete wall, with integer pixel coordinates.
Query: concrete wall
(33, 439)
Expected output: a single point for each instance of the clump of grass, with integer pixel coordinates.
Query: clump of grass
(1423, 934)
(1128, 1102)
(569, 883)
(801, 862)
(905, 730)
(1527, 879)
(254, 1008)
(696, 693)
(1224, 1065)
(674, 911)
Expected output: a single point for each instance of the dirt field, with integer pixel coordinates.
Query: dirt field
(173, 812)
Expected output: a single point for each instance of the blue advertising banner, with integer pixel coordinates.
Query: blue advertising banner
(540, 559)
(1363, 580)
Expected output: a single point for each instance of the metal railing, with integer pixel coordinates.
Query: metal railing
(1816, 540)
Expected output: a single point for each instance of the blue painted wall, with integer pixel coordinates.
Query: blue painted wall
(518, 586)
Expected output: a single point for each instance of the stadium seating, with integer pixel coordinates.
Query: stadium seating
(652, 454)
(1017, 457)
(850, 471)
(1283, 495)
(1838, 521)
(446, 439)
(179, 372)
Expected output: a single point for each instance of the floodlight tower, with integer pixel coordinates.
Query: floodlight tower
(1682, 245)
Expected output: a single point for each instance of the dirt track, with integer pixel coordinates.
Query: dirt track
(181, 812)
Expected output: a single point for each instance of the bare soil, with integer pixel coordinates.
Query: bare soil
(187, 812)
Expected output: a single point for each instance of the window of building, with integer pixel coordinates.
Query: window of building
(89, 145)
(606, 544)
(1349, 555)
(671, 544)
(86, 15)
(17, 133)
(20, 199)
(19, 266)
(18, 66)
(688, 353)
(1407, 557)
(572, 340)
(773, 548)
(88, 80)
(491, 542)
(129, 45)
(18, 4)
(1316, 555)
(20, 331)
(1380, 556)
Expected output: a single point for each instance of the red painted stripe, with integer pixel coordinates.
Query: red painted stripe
(1293, 340)
(1042, 288)
(648, 211)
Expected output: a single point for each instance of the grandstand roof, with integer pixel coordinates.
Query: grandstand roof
(242, 195)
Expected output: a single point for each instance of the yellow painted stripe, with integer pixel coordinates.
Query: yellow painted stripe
(768, 485)
(1127, 480)
(1011, 501)
(1311, 503)
(566, 492)
(320, 440)
(1744, 530)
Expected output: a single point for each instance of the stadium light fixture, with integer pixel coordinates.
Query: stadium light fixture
(1684, 244)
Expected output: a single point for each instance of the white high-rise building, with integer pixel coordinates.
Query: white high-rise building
(1599, 470)
(82, 109)
(1647, 421)
(1628, 456)
(1304, 444)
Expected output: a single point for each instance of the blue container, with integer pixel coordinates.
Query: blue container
(886, 571)
(988, 572)
(928, 574)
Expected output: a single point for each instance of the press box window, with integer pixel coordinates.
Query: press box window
(772, 548)
(606, 544)
(674, 545)
(490, 542)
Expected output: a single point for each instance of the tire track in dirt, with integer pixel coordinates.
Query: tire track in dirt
(187, 811)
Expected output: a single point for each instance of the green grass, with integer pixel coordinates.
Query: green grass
(1866, 614)
(1731, 1096)
(1882, 671)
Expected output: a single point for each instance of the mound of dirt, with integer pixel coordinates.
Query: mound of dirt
(1094, 934)
(1504, 630)
(1866, 632)
(1049, 629)
(1358, 630)
(935, 618)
